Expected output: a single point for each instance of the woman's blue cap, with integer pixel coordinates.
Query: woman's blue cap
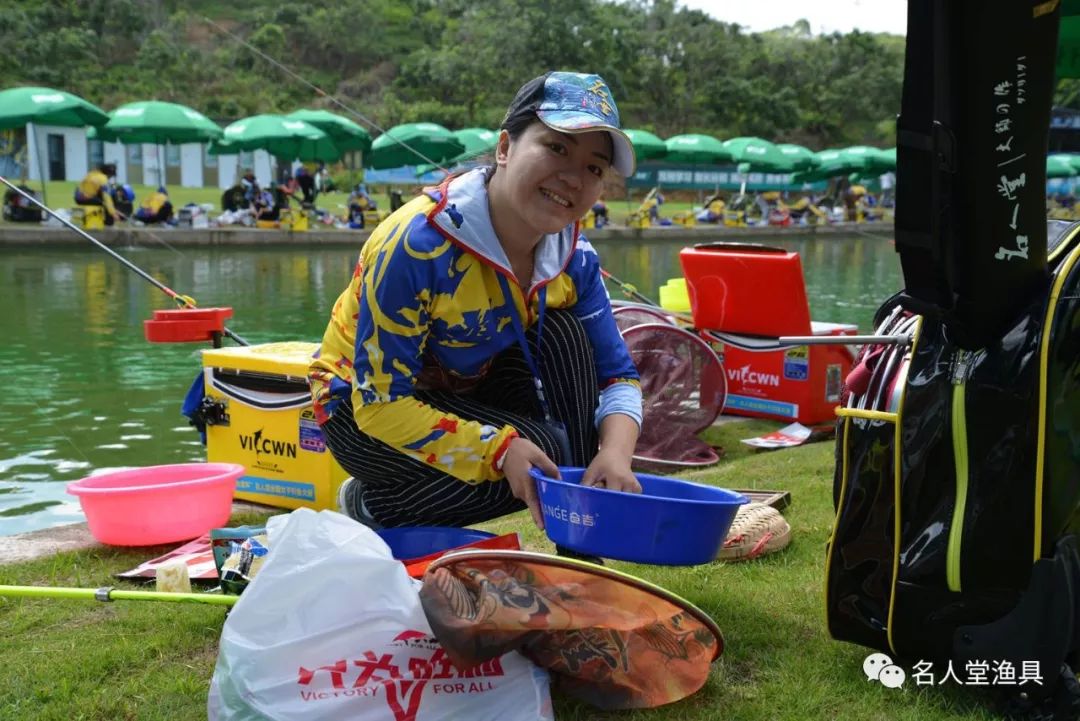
(575, 103)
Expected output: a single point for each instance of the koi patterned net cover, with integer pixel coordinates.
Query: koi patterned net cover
(607, 638)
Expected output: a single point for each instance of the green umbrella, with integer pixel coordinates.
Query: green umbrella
(888, 158)
(885, 162)
(278, 135)
(153, 121)
(857, 161)
(1059, 166)
(477, 142)
(157, 122)
(758, 155)
(841, 161)
(45, 106)
(799, 157)
(875, 161)
(646, 145)
(696, 149)
(830, 163)
(1071, 159)
(346, 134)
(834, 161)
(413, 144)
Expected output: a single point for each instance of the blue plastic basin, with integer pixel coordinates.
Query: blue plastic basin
(409, 542)
(671, 523)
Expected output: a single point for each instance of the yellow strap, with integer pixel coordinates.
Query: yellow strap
(870, 415)
(1044, 8)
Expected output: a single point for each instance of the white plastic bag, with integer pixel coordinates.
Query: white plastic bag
(332, 628)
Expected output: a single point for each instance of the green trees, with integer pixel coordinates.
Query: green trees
(457, 62)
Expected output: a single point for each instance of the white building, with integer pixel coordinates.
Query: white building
(67, 154)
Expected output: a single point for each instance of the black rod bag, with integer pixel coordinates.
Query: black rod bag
(971, 158)
(957, 487)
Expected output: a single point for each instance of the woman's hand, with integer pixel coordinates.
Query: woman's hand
(611, 469)
(521, 455)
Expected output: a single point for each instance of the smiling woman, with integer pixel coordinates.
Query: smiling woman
(552, 178)
(476, 339)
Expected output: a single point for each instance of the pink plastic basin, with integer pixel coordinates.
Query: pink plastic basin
(157, 504)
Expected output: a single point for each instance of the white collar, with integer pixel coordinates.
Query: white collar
(463, 215)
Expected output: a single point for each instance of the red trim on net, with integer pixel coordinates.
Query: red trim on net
(496, 460)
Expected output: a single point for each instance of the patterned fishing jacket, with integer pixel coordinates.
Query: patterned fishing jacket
(426, 295)
(92, 187)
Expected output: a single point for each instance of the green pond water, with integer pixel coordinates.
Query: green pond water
(84, 392)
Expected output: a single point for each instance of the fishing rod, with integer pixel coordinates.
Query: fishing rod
(630, 290)
(765, 343)
(184, 301)
(296, 76)
(108, 593)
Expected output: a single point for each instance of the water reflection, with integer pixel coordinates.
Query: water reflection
(28, 509)
(85, 392)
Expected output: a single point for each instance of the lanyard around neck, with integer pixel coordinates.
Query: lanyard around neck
(519, 329)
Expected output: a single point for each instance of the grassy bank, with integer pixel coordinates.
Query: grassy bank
(139, 660)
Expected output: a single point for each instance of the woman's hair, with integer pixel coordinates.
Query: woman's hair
(517, 124)
(514, 126)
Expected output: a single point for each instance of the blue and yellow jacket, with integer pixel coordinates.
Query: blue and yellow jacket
(92, 187)
(154, 202)
(425, 296)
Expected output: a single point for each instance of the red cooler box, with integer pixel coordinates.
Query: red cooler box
(758, 292)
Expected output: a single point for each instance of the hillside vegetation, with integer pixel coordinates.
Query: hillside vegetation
(458, 62)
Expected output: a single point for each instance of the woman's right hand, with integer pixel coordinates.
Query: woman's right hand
(521, 455)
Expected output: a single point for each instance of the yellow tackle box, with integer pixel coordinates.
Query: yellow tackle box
(263, 420)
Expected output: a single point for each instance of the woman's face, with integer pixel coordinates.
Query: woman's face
(553, 178)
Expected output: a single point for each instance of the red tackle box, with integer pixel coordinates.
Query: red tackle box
(759, 291)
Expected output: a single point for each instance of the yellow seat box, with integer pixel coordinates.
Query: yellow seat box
(88, 217)
(684, 217)
(292, 219)
(262, 419)
(374, 217)
(735, 218)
